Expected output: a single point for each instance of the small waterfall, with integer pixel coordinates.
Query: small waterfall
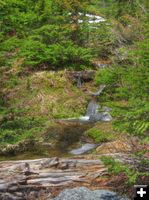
(95, 94)
(92, 113)
(79, 82)
(92, 108)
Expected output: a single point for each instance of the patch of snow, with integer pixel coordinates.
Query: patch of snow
(91, 18)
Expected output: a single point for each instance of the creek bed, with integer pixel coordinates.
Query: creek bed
(59, 141)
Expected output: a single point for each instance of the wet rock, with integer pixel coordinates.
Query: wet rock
(84, 193)
(103, 116)
(114, 147)
(106, 117)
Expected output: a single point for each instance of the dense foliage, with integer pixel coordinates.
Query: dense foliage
(44, 33)
(47, 34)
(39, 38)
(127, 79)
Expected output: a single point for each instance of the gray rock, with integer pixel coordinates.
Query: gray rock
(106, 117)
(103, 116)
(83, 193)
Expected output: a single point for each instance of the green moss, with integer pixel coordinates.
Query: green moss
(98, 135)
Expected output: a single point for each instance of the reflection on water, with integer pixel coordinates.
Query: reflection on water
(66, 138)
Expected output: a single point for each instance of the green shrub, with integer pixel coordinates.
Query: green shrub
(107, 76)
(116, 168)
(133, 119)
(8, 136)
(38, 54)
(20, 128)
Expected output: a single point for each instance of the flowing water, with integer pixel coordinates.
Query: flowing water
(92, 108)
(64, 139)
(79, 82)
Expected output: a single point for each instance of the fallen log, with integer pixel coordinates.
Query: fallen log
(22, 179)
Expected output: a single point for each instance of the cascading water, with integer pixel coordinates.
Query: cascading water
(79, 82)
(93, 114)
(92, 108)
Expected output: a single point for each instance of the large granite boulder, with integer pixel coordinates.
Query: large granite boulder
(83, 193)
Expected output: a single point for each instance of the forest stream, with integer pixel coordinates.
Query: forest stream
(74, 100)
(48, 169)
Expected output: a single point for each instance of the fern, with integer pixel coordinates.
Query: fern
(140, 127)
